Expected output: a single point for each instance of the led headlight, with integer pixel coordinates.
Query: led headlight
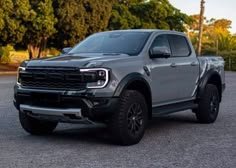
(95, 77)
(20, 69)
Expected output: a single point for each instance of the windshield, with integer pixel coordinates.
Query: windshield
(130, 43)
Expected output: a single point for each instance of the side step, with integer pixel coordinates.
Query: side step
(171, 108)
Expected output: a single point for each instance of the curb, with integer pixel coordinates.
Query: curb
(8, 73)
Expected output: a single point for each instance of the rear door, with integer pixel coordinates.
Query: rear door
(186, 66)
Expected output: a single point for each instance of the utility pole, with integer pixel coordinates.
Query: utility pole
(201, 20)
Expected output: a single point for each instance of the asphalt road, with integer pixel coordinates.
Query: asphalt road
(176, 140)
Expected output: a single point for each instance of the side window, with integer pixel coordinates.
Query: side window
(161, 41)
(179, 46)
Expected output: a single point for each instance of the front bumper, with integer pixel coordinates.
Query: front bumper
(72, 104)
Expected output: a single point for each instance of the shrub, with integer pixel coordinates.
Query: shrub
(5, 53)
(54, 52)
(230, 60)
(209, 51)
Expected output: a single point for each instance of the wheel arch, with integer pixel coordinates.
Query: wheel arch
(136, 81)
(211, 77)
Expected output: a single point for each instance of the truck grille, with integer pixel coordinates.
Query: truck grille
(52, 78)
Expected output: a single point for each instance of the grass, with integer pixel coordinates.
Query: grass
(16, 57)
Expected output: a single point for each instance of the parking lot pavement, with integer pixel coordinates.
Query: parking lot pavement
(176, 140)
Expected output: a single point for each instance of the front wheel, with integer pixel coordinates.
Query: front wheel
(35, 126)
(209, 103)
(128, 123)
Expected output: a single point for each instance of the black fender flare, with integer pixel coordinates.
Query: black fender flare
(128, 79)
(205, 80)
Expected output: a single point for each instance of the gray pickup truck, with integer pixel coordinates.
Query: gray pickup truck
(120, 78)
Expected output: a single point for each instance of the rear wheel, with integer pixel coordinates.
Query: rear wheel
(129, 121)
(35, 126)
(209, 103)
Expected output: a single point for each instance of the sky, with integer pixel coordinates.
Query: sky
(217, 9)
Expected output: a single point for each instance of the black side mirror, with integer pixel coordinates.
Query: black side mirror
(66, 50)
(160, 52)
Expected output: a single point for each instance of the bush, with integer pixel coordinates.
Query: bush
(18, 56)
(54, 52)
(227, 53)
(229, 57)
(5, 54)
(209, 51)
(230, 60)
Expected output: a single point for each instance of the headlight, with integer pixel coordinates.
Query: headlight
(20, 69)
(95, 77)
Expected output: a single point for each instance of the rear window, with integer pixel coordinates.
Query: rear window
(179, 46)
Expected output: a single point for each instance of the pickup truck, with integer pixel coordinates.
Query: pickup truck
(121, 78)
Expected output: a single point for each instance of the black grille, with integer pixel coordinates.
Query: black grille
(52, 78)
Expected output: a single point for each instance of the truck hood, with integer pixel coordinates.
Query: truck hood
(80, 61)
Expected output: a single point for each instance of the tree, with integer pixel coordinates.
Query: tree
(226, 42)
(215, 37)
(194, 24)
(71, 26)
(97, 15)
(224, 24)
(177, 20)
(151, 14)
(40, 27)
(13, 14)
(129, 2)
(159, 14)
(122, 18)
(1, 18)
(78, 19)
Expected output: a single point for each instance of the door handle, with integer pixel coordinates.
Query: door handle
(193, 64)
(173, 65)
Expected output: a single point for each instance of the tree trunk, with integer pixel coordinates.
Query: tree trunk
(42, 47)
(45, 46)
(33, 50)
(201, 20)
(29, 51)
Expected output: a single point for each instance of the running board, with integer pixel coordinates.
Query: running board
(171, 108)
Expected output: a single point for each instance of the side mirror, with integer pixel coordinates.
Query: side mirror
(66, 50)
(160, 52)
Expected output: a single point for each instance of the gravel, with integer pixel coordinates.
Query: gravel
(176, 140)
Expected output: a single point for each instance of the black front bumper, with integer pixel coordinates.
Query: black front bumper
(94, 108)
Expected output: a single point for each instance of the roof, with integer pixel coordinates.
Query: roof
(145, 30)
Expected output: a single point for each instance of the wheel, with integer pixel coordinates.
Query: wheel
(35, 126)
(128, 123)
(209, 103)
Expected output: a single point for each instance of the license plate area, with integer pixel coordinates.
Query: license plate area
(45, 99)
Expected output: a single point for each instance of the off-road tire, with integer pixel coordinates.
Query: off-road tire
(129, 121)
(209, 103)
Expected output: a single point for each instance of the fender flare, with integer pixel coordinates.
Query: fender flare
(205, 80)
(128, 79)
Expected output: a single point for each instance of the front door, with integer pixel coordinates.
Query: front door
(174, 78)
